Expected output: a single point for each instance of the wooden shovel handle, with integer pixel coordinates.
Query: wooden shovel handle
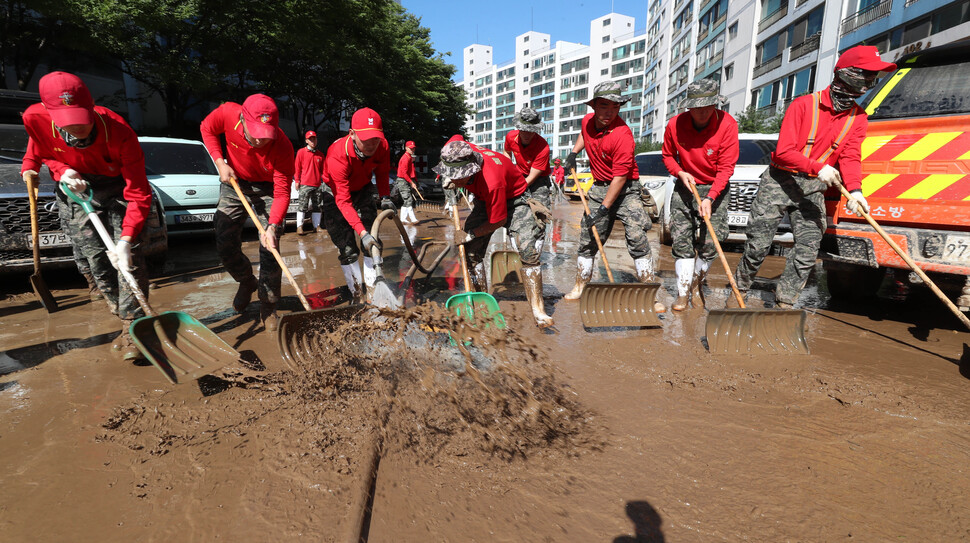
(262, 232)
(461, 251)
(717, 245)
(596, 235)
(34, 228)
(909, 261)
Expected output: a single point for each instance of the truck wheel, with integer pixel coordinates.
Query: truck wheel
(853, 282)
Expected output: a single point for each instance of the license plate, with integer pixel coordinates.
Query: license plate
(737, 219)
(203, 217)
(957, 248)
(49, 240)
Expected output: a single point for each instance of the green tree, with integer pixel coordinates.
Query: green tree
(28, 30)
(648, 145)
(754, 121)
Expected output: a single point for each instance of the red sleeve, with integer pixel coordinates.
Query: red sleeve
(212, 127)
(383, 171)
(623, 162)
(298, 165)
(32, 160)
(727, 156)
(541, 162)
(669, 151)
(282, 160)
(789, 153)
(338, 171)
(850, 159)
(137, 192)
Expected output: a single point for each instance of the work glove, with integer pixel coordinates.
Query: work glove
(386, 203)
(598, 213)
(121, 257)
(32, 180)
(570, 163)
(462, 237)
(829, 175)
(368, 242)
(857, 203)
(74, 181)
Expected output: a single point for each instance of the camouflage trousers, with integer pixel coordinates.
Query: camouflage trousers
(687, 228)
(230, 217)
(804, 200)
(64, 214)
(541, 189)
(628, 208)
(110, 207)
(309, 199)
(522, 226)
(341, 233)
(451, 197)
(404, 188)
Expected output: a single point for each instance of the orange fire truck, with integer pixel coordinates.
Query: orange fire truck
(916, 178)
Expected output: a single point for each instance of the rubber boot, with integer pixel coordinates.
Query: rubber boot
(476, 273)
(646, 274)
(685, 277)
(584, 272)
(315, 218)
(244, 294)
(697, 287)
(404, 215)
(93, 291)
(267, 314)
(370, 274)
(124, 346)
(414, 219)
(532, 280)
(300, 218)
(354, 283)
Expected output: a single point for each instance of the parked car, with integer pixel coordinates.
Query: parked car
(755, 155)
(186, 180)
(16, 252)
(585, 177)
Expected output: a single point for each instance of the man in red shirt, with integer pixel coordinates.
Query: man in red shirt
(405, 181)
(819, 146)
(260, 156)
(348, 201)
(501, 201)
(530, 151)
(307, 170)
(615, 193)
(88, 146)
(700, 148)
(559, 173)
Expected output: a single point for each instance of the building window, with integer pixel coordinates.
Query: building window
(604, 71)
(471, 49)
(733, 30)
(606, 22)
(472, 61)
(605, 56)
(729, 72)
(471, 72)
(526, 52)
(525, 39)
(606, 38)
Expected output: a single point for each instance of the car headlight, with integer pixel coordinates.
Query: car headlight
(653, 185)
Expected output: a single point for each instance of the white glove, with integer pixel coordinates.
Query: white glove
(447, 184)
(829, 175)
(857, 203)
(121, 257)
(74, 181)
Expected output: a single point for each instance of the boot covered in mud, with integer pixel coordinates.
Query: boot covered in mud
(370, 273)
(267, 314)
(685, 277)
(93, 291)
(476, 272)
(244, 293)
(124, 345)
(584, 272)
(532, 280)
(354, 281)
(647, 274)
(697, 284)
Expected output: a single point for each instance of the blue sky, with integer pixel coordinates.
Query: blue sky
(455, 25)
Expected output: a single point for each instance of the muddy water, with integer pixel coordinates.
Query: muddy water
(639, 435)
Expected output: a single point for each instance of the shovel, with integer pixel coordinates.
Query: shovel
(470, 303)
(36, 280)
(506, 266)
(746, 330)
(909, 262)
(176, 343)
(615, 304)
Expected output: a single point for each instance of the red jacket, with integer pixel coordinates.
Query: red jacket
(610, 151)
(709, 154)
(270, 164)
(405, 167)
(344, 173)
(535, 155)
(498, 182)
(308, 167)
(114, 153)
(794, 135)
(560, 173)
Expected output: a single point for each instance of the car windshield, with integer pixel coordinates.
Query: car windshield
(756, 152)
(652, 165)
(170, 158)
(929, 90)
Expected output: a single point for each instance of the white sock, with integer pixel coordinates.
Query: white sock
(315, 217)
(685, 274)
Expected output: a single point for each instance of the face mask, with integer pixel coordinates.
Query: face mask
(849, 84)
(71, 141)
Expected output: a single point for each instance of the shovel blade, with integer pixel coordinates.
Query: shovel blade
(428, 205)
(506, 268)
(297, 333)
(619, 304)
(180, 346)
(43, 293)
(770, 331)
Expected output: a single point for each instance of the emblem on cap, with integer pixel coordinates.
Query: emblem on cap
(265, 118)
(66, 98)
(370, 121)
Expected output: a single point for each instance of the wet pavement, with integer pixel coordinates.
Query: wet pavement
(865, 439)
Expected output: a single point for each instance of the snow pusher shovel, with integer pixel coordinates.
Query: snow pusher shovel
(470, 303)
(615, 304)
(176, 343)
(37, 280)
(506, 266)
(910, 262)
(747, 330)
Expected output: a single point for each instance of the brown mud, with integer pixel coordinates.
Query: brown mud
(563, 435)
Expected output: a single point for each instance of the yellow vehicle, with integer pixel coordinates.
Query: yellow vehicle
(585, 181)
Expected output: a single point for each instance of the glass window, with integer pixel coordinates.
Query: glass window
(756, 152)
(929, 90)
(652, 164)
(177, 158)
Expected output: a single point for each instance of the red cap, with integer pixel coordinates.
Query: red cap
(310, 134)
(410, 145)
(67, 99)
(367, 123)
(261, 116)
(865, 57)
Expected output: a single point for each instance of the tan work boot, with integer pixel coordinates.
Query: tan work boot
(93, 291)
(299, 230)
(267, 314)
(124, 346)
(532, 280)
(584, 272)
(681, 303)
(697, 291)
(244, 294)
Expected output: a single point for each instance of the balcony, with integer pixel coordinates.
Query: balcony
(800, 3)
(772, 18)
(861, 18)
(766, 66)
(810, 44)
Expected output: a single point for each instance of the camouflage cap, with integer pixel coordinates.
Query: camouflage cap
(528, 120)
(701, 93)
(458, 161)
(611, 90)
